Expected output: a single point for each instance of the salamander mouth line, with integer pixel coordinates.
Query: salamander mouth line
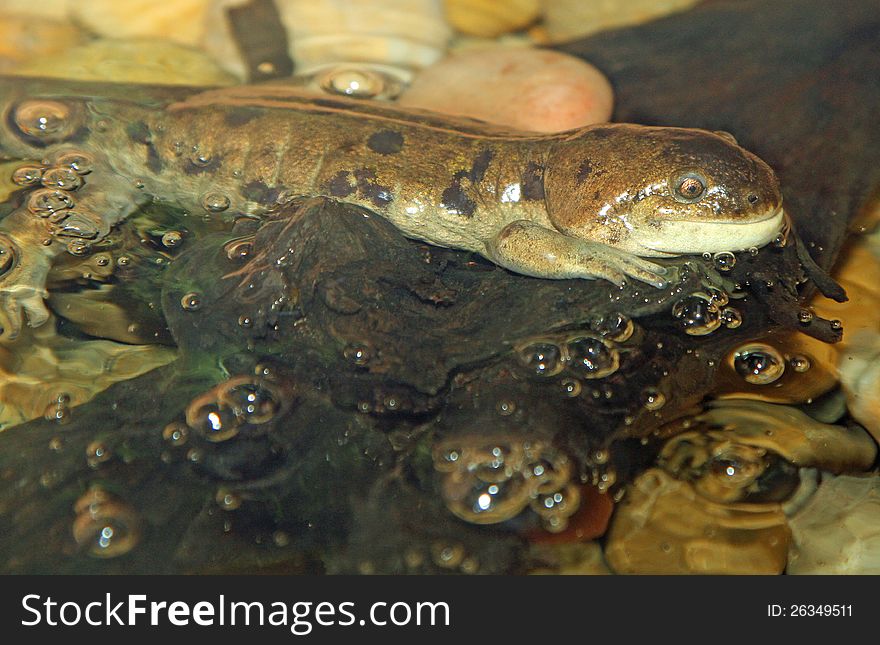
(691, 236)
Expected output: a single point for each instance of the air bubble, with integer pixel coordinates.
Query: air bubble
(542, 359)
(724, 261)
(571, 387)
(104, 526)
(78, 224)
(200, 159)
(358, 354)
(62, 179)
(213, 422)
(239, 250)
(45, 120)
(228, 500)
(836, 325)
(731, 317)
(592, 358)
(697, 315)
(79, 248)
(653, 399)
(172, 239)
(249, 400)
(447, 555)
(357, 83)
(79, 162)
(97, 453)
(44, 202)
(615, 327)
(27, 175)
(758, 364)
(505, 407)
(191, 301)
(175, 433)
(805, 316)
(800, 363)
(717, 296)
(215, 202)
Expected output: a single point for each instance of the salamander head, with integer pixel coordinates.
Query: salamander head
(662, 191)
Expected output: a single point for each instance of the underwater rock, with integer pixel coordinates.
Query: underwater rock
(491, 18)
(43, 365)
(718, 499)
(136, 61)
(401, 33)
(838, 532)
(23, 38)
(570, 19)
(860, 378)
(52, 9)
(522, 88)
(664, 526)
(790, 433)
(181, 21)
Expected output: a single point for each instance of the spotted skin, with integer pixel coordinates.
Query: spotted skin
(590, 203)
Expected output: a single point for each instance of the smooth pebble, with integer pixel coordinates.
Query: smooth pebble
(519, 87)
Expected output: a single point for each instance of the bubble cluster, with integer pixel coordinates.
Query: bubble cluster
(59, 409)
(241, 404)
(758, 364)
(583, 355)
(105, 527)
(486, 481)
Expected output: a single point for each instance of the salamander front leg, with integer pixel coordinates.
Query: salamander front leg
(531, 249)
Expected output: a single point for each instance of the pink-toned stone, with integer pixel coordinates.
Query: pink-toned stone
(519, 87)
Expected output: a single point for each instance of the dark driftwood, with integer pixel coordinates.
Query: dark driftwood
(345, 470)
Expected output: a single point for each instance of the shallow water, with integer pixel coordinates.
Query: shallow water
(310, 392)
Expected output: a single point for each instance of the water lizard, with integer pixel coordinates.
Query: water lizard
(590, 203)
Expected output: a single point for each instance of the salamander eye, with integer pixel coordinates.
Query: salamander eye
(690, 187)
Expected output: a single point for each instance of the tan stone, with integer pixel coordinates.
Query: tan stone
(571, 19)
(663, 526)
(137, 61)
(491, 18)
(181, 21)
